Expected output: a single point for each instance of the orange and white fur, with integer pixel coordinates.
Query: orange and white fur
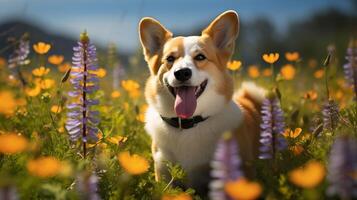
(207, 91)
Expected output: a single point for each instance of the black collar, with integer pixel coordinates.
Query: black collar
(185, 123)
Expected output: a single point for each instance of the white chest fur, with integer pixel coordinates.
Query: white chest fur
(191, 147)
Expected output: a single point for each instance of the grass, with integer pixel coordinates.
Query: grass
(121, 130)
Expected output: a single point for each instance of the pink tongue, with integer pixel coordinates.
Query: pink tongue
(185, 103)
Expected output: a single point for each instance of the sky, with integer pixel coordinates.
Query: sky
(116, 21)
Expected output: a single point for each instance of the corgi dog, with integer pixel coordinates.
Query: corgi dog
(192, 100)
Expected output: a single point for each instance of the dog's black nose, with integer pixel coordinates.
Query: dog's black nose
(183, 74)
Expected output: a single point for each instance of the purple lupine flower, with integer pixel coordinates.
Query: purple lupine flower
(225, 167)
(342, 167)
(118, 73)
(82, 118)
(19, 57)
(350, 68)
(8, 193)
(87, 185)
(330, 115)
(272, 128)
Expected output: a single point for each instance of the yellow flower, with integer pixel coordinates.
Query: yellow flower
(101, 72)
(56, 109)
(292, 134)
(288, 72)
(141, 116)
(32, 92)
(117, 139)
(115, 94)
(130, 85)
(133, 164)
(41, 47)
(44, 167)
(253, 71)
(271, 58)
(234, 65)
(243, 189)
(181, 196)
(134, 94)
(311, 95)
(41, 71)
(64, 67)
(292, 56)
(11, 143)
(319, 73)
(61, 129)
(8, 103)
(308, 176)
(339, 94)
(55, 59)
(267, 72)
(297, 149)
(47, 83)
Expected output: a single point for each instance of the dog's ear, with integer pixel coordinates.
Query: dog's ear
(224, 30)
(153, 36)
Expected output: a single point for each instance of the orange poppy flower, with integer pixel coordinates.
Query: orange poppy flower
(117, 139)
(115, 94)
(44, 167)
(267, 72)
(133, 164)
(101, 72)
(234, 65)
(297, 149)
(8, 103)
(311, 95)
(271, 58)
(56, 109)
(181, 196)
(11, 143)
(64, 67)
(309, 175)
(41, 47)
(319, 73)
(32, 92)
(130, 85)
(288, 72)
(243, 189)
(55, 59)
(41, 71)
(292, 56)
(253, 71)
(292, 134)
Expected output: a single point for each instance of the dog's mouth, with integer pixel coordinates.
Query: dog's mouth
(186, 98)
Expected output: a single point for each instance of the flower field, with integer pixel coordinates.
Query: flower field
(70, 130)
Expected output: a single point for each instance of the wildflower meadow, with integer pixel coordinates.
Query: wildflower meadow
(72, 127)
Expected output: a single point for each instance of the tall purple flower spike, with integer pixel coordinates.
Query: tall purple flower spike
(330, 115)
(342, 168)
(225, 166)
(272, 128)
(87, 185)
(19, 56)
(350, 68)
(82, 119)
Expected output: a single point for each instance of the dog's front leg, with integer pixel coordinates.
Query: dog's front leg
(160, 169)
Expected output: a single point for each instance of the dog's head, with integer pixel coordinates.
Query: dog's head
(188, 74)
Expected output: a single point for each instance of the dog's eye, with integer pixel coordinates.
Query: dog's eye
(200, 57)
(170, 59)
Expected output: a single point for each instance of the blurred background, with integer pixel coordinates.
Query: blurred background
(266, 26)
